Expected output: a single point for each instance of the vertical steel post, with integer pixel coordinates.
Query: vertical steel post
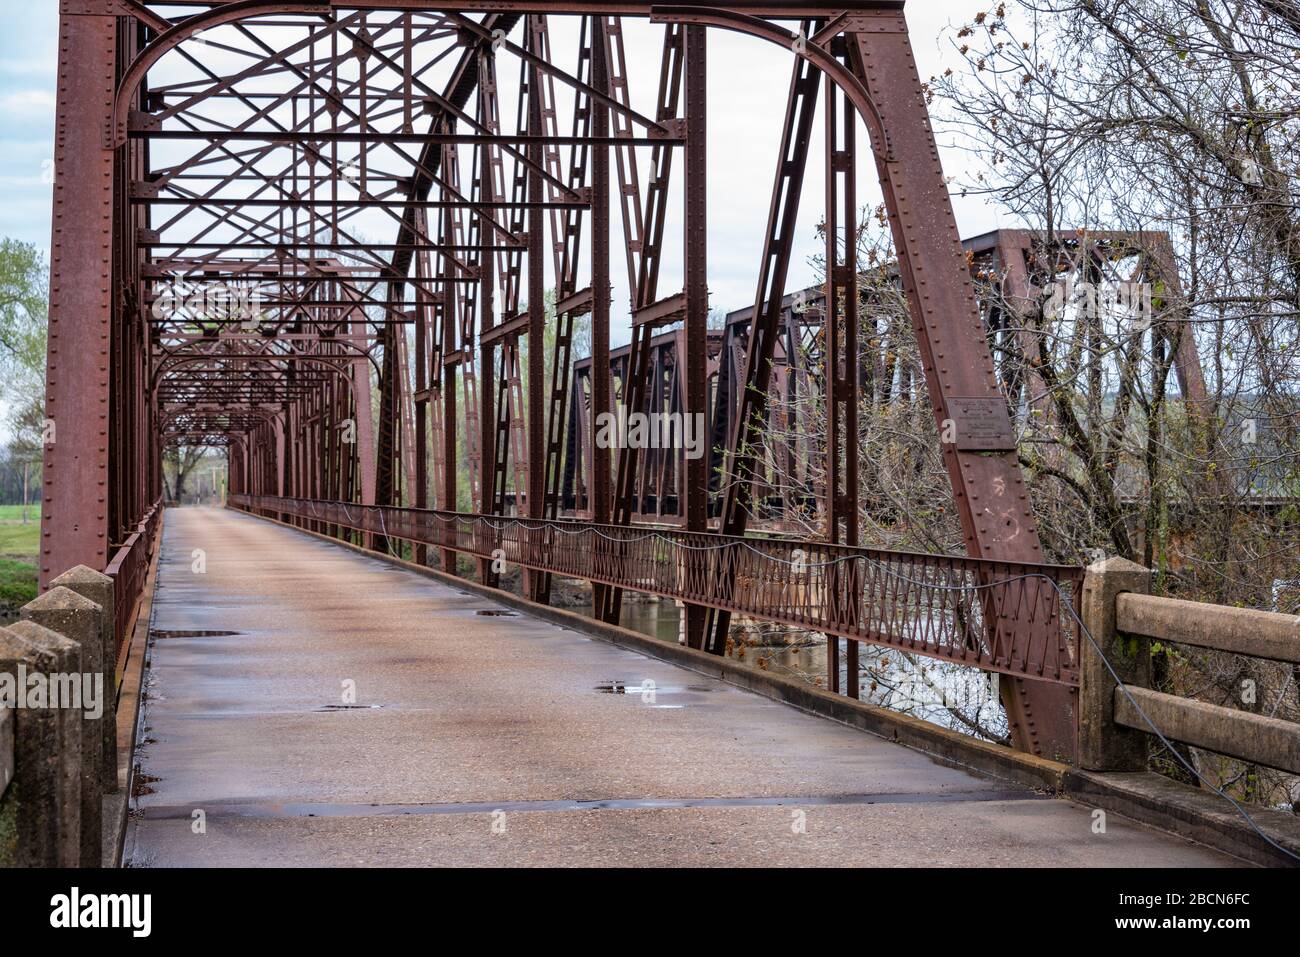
(76, 525)
(422, 396)
(389, 462)
(697, 293)
(599, 489)
(487, 319)
(536, 406)
(840, 334)
(451, 317)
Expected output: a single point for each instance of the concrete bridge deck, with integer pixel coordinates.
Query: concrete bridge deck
(486, 739)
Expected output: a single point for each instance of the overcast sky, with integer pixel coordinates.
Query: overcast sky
(748, 80)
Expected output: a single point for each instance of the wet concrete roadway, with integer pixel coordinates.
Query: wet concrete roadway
(320, 707)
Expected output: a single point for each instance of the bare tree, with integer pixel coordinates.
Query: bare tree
(1179, 117)
(178, 464)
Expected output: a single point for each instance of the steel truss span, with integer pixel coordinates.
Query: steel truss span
(357, 244)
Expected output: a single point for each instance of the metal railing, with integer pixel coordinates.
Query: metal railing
(129, 568)
(997, 616)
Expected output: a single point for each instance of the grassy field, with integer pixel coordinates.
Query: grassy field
(19, 545)
(20, 541)
(17, 587)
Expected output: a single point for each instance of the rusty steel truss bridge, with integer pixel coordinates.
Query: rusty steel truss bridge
(212, 285)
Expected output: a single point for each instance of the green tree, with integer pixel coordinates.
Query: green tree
(24, 308)
(24, 305)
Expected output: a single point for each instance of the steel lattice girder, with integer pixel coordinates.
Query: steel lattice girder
(243, 145)
(1009, 268)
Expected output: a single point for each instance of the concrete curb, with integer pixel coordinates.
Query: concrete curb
(1144, 797)
(129, 698)
(1199, 815)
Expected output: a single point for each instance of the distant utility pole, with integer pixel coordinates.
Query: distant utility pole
(218, 492)
(26, 490)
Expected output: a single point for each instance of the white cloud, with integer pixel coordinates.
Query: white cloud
(27, 100)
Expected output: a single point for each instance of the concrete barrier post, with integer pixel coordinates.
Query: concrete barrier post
(40, 811)
(76, 618)
(98, 587)
(1104, 745)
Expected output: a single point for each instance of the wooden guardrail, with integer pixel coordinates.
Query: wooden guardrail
(1241, 631)
(1123, 620)
(1257, 634)
(1240, 734)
